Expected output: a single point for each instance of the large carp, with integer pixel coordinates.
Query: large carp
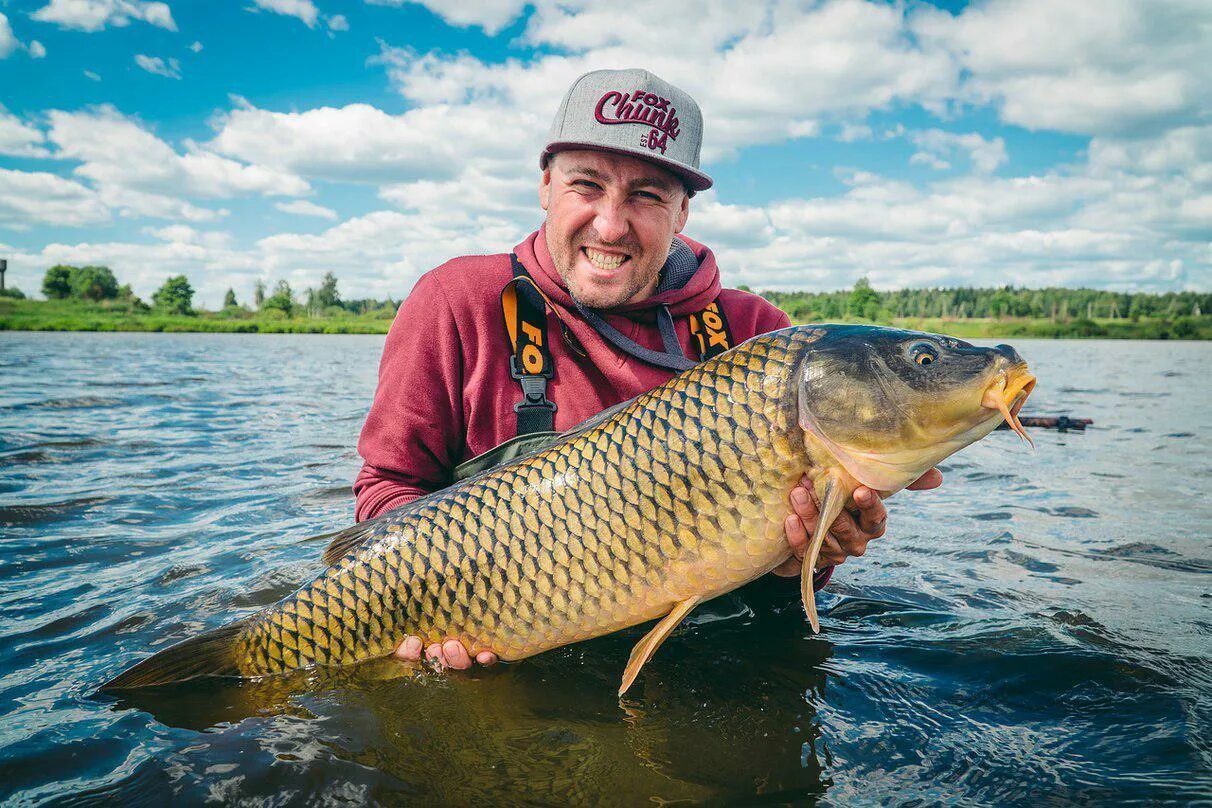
(643, 512)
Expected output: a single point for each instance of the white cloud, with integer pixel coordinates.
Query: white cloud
(337, 22)
(154, 64)
(491, 15)
(8, 42)
(39, 198)
(854, 131)
(304, 10)
(301, 207)
(196, 47)
(138, 174)
(935, 147)
(20, 139)
(364, 144)
(91, 76)
(184, 234)
(94, 15)
(1088, 66)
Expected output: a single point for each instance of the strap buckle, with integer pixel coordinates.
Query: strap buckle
(534, 393)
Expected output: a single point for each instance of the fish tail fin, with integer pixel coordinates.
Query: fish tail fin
(210, 654)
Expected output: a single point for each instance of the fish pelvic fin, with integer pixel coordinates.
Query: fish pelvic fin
(646, 647)
(210, 654)
(833, 497)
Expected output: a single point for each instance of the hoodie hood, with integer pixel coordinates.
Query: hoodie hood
(696, 295)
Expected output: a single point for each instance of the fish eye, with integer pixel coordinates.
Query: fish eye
(923, 353)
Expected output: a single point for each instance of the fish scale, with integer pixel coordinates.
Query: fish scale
(682, 493)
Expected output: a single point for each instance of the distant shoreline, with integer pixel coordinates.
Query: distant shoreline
(33, 315)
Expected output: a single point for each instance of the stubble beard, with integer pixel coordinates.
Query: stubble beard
(641, 276)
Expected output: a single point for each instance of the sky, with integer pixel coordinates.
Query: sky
(1023, 142)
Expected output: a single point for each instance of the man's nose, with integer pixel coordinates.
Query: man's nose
(610, 223)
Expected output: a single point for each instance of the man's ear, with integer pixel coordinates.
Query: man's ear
(683, 213)
(545, 187)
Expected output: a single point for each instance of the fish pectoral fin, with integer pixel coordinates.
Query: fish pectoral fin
(646, 647)
(833, 497)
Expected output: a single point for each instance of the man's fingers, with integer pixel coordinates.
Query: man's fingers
(486, 658)
(831, 553)
(931, 479)
(797, 535)
(434, 655)
(456, 655)
(872, 513)
(410, 649)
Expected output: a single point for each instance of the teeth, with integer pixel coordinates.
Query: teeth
(604, 260)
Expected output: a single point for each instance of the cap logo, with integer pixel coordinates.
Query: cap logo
(644, 108)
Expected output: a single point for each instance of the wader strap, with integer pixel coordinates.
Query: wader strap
(525, 311)
(710, 329)
(667, 359)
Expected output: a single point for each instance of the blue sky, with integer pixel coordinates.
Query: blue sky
(1010, 141)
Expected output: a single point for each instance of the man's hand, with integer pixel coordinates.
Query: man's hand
(850, 533)
(448, 654)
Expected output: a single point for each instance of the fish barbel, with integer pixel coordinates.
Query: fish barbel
(657, 505)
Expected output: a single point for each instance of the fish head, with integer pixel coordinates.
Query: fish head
(889, 404)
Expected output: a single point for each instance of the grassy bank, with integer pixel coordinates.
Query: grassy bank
(67, 315)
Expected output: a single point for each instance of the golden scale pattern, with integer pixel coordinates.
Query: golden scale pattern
(682, 493)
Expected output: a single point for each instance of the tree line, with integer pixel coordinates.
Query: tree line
(1056, 304)
(176, 295)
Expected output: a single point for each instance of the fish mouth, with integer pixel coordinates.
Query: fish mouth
(1006, 395)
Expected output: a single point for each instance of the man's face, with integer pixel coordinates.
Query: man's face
(610, 222)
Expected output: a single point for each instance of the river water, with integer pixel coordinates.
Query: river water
(1039, 630)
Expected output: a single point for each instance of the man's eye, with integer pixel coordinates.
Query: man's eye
(593, 186)
(648, 195)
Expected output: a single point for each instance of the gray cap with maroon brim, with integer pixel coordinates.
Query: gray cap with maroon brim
(635, 113)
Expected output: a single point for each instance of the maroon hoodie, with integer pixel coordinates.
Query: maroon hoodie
(445, 394)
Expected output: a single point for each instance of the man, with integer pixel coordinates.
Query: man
(624, 291)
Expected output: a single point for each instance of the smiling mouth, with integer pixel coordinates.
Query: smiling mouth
(605, 260)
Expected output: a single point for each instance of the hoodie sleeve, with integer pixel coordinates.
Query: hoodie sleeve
(415, 430)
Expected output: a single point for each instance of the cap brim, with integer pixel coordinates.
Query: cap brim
(695, 180)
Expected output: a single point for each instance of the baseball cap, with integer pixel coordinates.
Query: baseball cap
(635, 113)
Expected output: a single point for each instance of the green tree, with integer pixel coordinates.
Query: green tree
(229, 299)
(127, 295)
(327, 295)
(863, 301)
(283, 299)
(259, 294)
(175, 296)
(57, 282)
(94, 283)
(12, 292)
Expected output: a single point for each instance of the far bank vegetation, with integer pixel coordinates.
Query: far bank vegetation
(90, 298)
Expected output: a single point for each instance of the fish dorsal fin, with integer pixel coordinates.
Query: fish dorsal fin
(343, 541)
(833, 496)
(646, 647)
